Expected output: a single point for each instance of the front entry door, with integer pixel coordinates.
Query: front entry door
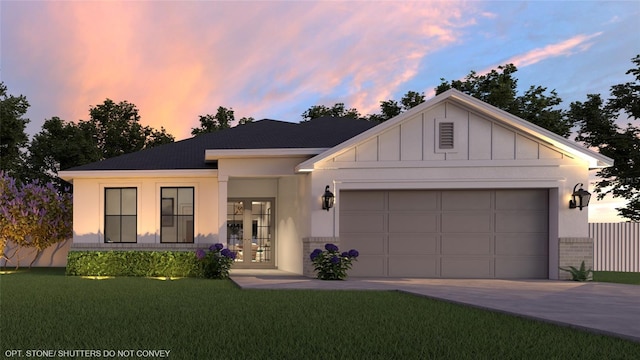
(250, 232)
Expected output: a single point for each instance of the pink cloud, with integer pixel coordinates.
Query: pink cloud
(177, 60)
(578, 43)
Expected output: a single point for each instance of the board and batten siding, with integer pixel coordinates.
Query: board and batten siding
(616, 246)
(476, 138)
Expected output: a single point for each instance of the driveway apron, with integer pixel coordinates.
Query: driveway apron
(605, 308)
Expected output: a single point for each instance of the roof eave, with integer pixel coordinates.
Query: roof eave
(70, 175)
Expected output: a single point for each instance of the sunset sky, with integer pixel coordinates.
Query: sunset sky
(176, 60)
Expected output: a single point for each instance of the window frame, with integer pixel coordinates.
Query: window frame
(120, 216)
(175, 218)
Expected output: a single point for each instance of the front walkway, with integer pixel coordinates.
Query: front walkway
(612, 309)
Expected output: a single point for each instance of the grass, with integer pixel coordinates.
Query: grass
(617, 277)
(42, 309)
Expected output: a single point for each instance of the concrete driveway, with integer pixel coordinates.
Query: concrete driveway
(611, 309)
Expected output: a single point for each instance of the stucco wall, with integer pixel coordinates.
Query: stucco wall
(289, 224)
(53, 256)
(88, 203)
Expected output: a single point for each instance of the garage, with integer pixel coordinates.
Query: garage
(447, 234)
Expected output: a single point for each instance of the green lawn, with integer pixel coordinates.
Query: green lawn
(617, 277)
(42, 309)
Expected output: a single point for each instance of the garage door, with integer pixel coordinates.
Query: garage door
(448, 234)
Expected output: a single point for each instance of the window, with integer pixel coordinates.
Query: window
(176, 215)
(120, 215)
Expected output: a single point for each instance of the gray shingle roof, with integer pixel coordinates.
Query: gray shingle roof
(325, 132)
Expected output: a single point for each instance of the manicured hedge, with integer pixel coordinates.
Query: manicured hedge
(133, 263)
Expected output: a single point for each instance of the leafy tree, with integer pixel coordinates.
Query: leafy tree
(112, 130)
(499, 88)
(626, 97)
(59, 146)
(391, 108)
(32, 216)
(411, 99)
(388, 109)
(116, 129)
(337, 110)
(220, 121)
(246, 120)
(13, 138)
(598, 128)
(157, 137)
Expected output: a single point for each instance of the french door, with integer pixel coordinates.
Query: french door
(250, 231)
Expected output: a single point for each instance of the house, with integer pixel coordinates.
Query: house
(453, 188)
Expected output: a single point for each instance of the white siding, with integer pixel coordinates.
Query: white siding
(476, 138)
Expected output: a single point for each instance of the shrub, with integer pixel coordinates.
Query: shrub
(216, 263)
(580, 274)
(330, 264)
(132, 263)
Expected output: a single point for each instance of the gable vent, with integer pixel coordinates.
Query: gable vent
(445, 132)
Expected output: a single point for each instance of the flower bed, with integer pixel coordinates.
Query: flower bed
(330, 264)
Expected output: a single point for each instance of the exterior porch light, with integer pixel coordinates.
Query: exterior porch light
(580, 199)
(327, 199)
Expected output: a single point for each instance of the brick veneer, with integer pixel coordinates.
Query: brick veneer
(310, 243)
(572, 252)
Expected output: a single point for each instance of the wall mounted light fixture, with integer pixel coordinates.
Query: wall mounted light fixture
(327, 199)
(580, 199)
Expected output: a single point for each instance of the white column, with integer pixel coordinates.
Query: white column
(223, 182)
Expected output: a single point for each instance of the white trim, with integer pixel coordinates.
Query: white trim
(448, 183)
(106, 174)
(433, 164)
(594, 159)
(215, 154)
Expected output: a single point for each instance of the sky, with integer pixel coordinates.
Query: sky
(176, 60)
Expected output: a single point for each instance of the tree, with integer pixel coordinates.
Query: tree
(112, 130)
(388, 109)
(32, 216)
(210, 123)
(13, 138)
(246, 120)
(411, 99)
(540, 109)
(58, 146)
(157, 137)
(499, 88)
(391, 108)
(598, 128)
(116, 129)
(337, 110)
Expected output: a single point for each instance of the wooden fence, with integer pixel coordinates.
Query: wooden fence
(616, 246)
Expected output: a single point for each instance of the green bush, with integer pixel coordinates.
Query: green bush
(216, 263)
(331, 264)
(581, 274)
(133, 263)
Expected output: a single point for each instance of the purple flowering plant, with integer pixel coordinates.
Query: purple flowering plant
(330, 264)
(215, 263)
(32, 215)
